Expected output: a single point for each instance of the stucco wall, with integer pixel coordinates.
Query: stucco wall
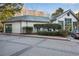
(31, 24)
(15, 27)
(23, 24)
(62, 18)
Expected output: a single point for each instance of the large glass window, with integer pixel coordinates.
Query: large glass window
(74, 25)
(68, 24)
(8, 28)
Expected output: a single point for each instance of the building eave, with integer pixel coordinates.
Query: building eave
(24, 21)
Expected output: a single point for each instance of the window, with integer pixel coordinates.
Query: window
(68, 14)
(74, 25)
(8, 28)
(68, 24)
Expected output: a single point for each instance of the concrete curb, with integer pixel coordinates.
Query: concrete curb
(37, 36)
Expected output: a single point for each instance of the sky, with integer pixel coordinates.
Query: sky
(51, 7)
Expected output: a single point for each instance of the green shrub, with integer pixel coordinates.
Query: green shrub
(62, 33)
(45, 33)
(28, 29)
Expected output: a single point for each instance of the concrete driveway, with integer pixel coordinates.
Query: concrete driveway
(30, 46)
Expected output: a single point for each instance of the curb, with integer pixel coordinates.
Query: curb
(23, 35)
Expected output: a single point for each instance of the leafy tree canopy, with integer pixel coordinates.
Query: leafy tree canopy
(8, 10)
(77, 15)
(58, 11)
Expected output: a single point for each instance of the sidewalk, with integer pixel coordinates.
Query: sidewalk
(37, 36)
(73, 40)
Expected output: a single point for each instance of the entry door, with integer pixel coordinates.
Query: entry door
(8, 28)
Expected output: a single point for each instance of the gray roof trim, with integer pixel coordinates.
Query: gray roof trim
(25, 21)
(29, 18)
(70, 12)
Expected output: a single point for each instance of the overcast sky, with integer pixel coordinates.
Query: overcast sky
(51, 7)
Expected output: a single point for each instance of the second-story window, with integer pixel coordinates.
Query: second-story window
(68, 14)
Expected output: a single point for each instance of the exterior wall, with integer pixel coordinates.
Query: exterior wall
(62, 18)
(23, 24)
(15, 27)
(31, 24)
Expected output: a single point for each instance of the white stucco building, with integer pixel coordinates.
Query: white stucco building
(67, 20)
(16, 24)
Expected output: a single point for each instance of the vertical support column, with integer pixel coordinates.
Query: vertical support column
(64, 24)
(72, 25)
(3, 27)
(20, 27)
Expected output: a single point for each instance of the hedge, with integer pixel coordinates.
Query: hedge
(53, 26)
(62, 33)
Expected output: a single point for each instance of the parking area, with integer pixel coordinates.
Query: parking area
(31, 46)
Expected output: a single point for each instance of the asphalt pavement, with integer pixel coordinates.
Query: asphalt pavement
(31, 46)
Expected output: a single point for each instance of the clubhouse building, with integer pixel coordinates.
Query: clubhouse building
(67, 20)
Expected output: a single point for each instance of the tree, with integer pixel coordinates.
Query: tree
(8, 10)
(77, 15)
(58, 11)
